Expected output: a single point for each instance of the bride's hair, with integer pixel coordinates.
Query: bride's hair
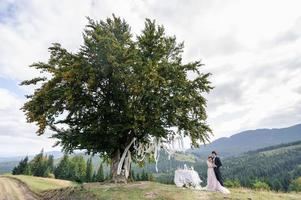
(210, 157)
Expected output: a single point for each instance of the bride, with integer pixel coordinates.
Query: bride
(212, 182)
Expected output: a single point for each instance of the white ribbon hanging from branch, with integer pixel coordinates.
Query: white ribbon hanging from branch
(155, 145)
(152, 147)
(120, 164)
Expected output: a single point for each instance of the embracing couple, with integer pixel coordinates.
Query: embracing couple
(214, 179)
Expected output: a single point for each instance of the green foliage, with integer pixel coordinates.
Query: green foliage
(22, 168)
(232, 183)
(78, 169)
(295, 185)
(144, 176)
(50, 175)
(116, 88)
(41, 165)
(74, 169)
(151, 177)
(89, 170)
(62, 171)
(51, 163)
(100, 175)
(260, 185)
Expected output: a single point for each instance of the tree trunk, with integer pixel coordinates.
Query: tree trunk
(114, 167)
(121, 165)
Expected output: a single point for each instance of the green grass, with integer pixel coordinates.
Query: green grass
(243, 193)
(143, 190)
(39, 184)
(156, 191)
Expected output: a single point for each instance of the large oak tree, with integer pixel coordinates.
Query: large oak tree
(118, 89)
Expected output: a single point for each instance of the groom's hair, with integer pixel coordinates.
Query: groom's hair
(214, 152)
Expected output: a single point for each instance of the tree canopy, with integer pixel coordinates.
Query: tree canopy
(118, 87)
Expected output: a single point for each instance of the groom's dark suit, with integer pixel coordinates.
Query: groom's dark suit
(218, 175)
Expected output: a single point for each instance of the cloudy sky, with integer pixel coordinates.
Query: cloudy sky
(252, 48)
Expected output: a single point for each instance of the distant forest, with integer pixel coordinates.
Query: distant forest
(277, 168)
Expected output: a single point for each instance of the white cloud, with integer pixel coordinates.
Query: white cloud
(253, 49)
(260, 85)
(16, 136)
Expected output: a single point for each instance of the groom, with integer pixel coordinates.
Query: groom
(218, 164)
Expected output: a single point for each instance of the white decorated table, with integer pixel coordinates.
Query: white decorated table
(187, 178)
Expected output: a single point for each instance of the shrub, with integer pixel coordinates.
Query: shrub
(232, 183)
(295, 185)
(259, 185)
(50, 175)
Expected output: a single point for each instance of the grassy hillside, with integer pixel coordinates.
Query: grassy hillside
(276, 165)
(50, 189)
(243, 193)
(151, 190)
(157, 191)
(39, 184)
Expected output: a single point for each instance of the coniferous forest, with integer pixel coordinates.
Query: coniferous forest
(74, 168)
(276, 167)
(272, 168)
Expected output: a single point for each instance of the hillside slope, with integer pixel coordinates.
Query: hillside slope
(250, 140)
(39, 184)
(131, 191)
(275, 165)
(156, 191)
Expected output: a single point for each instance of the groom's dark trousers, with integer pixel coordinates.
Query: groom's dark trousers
(217, 172)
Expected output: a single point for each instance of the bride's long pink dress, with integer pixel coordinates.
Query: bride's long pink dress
(212, 182)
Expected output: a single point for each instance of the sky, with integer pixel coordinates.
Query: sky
(252, 48)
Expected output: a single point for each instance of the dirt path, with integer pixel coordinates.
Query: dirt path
(11, 189)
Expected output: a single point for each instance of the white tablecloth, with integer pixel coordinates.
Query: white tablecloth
(187, 177)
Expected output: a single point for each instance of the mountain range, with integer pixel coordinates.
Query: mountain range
(249, 141)
(235, 145)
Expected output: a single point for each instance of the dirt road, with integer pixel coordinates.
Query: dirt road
(11, 189)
